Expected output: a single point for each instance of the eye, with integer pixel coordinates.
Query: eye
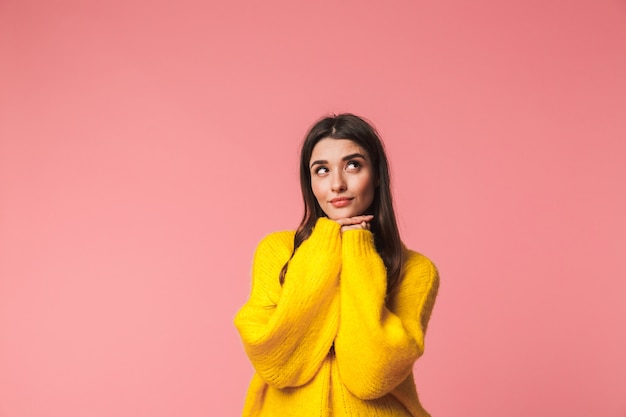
(353, 165)
(322, 170)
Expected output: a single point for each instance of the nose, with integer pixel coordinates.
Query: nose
(338, 183)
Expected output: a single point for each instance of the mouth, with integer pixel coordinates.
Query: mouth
(341, 201)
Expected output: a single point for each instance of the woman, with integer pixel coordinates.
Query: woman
(338, 309)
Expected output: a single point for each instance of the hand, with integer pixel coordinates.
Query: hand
(355, 223)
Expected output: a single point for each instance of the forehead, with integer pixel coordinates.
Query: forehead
(331, 149)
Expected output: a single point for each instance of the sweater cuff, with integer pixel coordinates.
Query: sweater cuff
(358, 243)
(326, 234)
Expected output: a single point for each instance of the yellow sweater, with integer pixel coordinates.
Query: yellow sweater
(326, 343)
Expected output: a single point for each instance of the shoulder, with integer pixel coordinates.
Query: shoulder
(276, 245)
(271, 254)
(413, 259)
(418, 270)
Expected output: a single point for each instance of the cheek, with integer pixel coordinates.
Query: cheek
(366, 188)
(370, 194)
(317, 189)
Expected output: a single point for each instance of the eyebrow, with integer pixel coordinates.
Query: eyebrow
(345, 158)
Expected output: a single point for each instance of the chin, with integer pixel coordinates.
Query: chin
(334, 215)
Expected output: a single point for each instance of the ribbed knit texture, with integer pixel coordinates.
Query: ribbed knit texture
(326, 343)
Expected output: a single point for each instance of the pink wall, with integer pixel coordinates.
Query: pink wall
(147, 146)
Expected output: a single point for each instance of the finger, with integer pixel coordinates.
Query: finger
(362, 218)
(356, 220)
(345, 228)
(344, 222)
(349, 221)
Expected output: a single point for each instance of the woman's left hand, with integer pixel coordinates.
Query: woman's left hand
(355, 223)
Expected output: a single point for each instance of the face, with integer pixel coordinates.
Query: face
(342, 178)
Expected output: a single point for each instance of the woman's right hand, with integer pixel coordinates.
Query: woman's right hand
(355, 223)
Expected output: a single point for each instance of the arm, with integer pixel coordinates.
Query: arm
(287, 331)
(377, 344)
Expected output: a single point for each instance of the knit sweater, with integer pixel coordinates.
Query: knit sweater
(330, 341)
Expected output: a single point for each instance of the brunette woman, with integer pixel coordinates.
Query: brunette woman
(339, 308)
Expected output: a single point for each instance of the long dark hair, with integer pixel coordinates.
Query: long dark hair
(383, 225)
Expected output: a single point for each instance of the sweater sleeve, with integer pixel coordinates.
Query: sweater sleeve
(288, 331)
(377, 342)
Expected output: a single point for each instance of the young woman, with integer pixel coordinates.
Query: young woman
(339, 308)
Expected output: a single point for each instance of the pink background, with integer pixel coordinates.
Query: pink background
(147, 146)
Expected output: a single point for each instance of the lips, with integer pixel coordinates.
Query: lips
(341, 201)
